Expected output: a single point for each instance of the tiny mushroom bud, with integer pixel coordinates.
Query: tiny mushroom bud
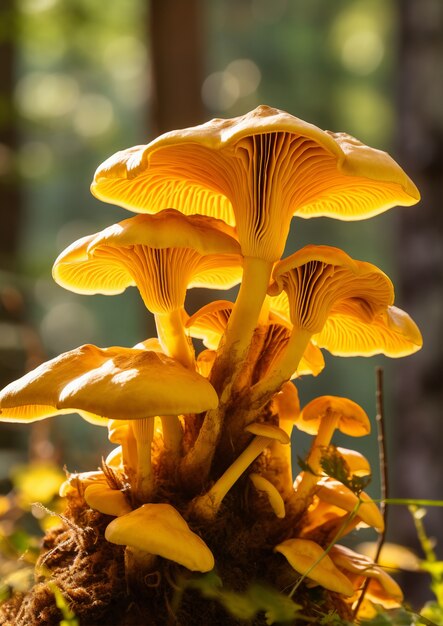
(310, 560)
(159, 529)
(263, 485)
(101, 497)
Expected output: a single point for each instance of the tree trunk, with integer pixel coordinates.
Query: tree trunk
(10, 196)
(176, 39)
(418, 432)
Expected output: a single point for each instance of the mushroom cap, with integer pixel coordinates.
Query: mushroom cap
(392, 332)
(347, 559)
(101, 497)
(357, 463)
(160, 529)
(251, 169)
(265, 486)
(334, 492)
(209, 322)
(318, 278)
(268, 430)
(162, 254)
(117, 383)
(134, 384)
(35, 396)
(347, 332)
(308, 558)
(351, 418)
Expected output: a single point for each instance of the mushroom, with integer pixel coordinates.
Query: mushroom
(310, 560)
(322, 416)
(208, 504)
(334, 492)
(124, 384)
(263, 485)
(159, 529)
(316, 279)
(163, 255)
(101, 497)
(357, 463)
(255, 171)
(382, 587)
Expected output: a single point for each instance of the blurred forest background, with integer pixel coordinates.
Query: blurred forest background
(80, 79)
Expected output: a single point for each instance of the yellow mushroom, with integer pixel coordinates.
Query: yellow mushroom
(124, 384)
(101, 497)
(316, 279)
(309, 559)
(160, 530)
(322, 416)
(333, 492)
(163, 255)
(382, 588)
(263, 485)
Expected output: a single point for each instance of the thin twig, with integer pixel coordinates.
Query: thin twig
(384, 488)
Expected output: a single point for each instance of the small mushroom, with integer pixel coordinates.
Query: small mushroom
(322, 416)
(382, 587)
(263, 485)
(308, 559)
(208, 504)
(333, 492)
(159, 529)
(101, 497)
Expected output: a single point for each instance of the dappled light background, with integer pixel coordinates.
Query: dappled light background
(82, 88)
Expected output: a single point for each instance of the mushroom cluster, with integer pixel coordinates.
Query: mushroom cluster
(203, 441)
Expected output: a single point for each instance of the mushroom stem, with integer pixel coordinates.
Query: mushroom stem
(208, 504)
(282, 371)
(172, 434)
(173, 339)
(243, 319)
(310, 478)
(143, 430)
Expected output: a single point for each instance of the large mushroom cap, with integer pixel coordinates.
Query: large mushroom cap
(134, 384)
(160, 529)
(256, 171)
(162, 254)
(117, 383)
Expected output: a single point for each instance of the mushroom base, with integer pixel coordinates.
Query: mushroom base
(90, 572)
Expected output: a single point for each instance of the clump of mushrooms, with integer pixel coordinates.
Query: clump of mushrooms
(214, 205)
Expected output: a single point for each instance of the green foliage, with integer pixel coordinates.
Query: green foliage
(335, 466)
(277, 607)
